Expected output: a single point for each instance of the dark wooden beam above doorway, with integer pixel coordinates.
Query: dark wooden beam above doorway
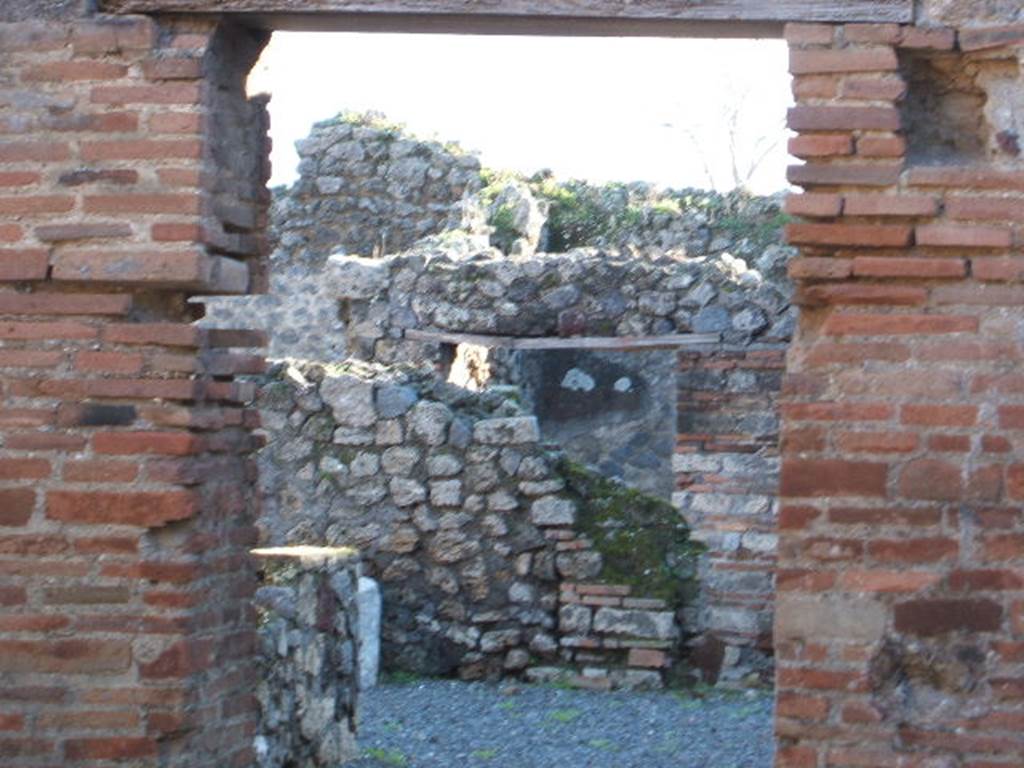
(451, 14)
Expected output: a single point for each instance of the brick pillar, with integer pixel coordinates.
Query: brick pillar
(900, 611)
(125, 480)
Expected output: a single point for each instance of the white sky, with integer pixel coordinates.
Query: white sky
(597, 108)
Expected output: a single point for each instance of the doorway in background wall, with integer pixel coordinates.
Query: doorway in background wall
(691, 261)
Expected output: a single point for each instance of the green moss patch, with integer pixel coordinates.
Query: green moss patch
(644, 540)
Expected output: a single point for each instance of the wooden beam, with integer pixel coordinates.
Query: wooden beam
(900, 11)
(616, 343)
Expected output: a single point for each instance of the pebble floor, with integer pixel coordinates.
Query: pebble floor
(448, 724)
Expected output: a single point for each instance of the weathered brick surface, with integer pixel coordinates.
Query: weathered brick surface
(899, 491)
(125, 636)
(727, 471)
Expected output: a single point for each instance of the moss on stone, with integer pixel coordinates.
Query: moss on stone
(643, 540)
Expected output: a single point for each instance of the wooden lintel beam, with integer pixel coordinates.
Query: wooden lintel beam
(737, 11)
(617, 343)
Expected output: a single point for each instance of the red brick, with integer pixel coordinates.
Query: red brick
(814, 205)
(892, 295)
(45, 441)
(931, 479)
(810, 268)
(108, 362)
(925, 38)
(821, 145)
(163, 443)
(826, 353)
(46, 331)
(815, 87)
(833, 478)
(74, 71)
(647, 658)
(940, 415)
(853, 60)
(172, 268)
(34, 152)
(956, 236)
(929, 618)
(874, 88)
(36, 204)
(790, 756)
(990, 580)
(888, 581)
(64, 656)
(881, 146)
(965, 177)
(912, 267)
(111, 748)
(113, 35)
(19, 178)
(820, 679)
(837, 412)
(949, 443)
(162, 93)
(142, 509)
(998, 269)
(930, 550)
(861, 235)
(809, 34)
(813, 118)
(176, 122)
(873, 33)
(64, 304)
(83, 231)
(876, 442)
(890, 205)
(984, 208)
(159, 334)
(176, 68)
(991, 37)
(140, 203)
(16, 506)
(24, 469)
(95, 471)
(874, 175)
(10, 233)
(23, 264)
(142, 149)
(794, 705)
(898, 324)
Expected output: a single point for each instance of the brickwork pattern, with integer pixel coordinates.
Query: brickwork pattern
(124, 438)
(899, 625)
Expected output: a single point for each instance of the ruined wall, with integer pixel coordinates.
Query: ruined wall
(308, 645)
(124, 438)
(898, 621)
(366, 187)
(467, 521)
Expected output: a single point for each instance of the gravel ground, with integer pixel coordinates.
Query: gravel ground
(447, 724)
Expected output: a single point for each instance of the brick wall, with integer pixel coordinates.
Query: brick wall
(899, 631)
(124, 439)
(727, 475)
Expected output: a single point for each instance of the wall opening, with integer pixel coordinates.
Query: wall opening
(534, 513)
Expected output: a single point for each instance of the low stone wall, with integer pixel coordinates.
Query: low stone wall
(308, 647)
(436, 286)
(462, 514)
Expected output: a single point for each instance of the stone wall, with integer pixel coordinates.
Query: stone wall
(450, 283)
(309, 624)
(366, 187)
(459, 511)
